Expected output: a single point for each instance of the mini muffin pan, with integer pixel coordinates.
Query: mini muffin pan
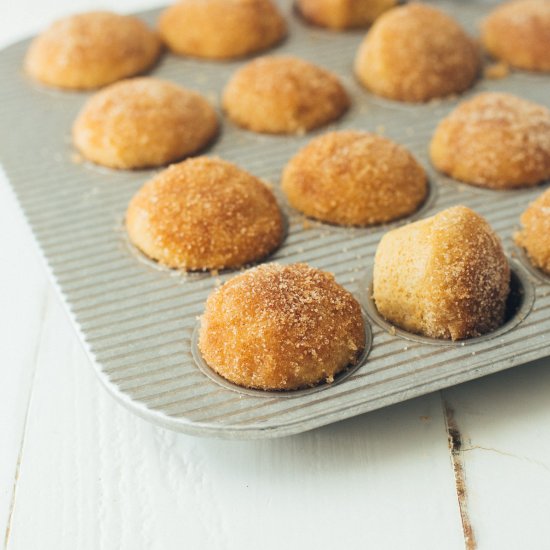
(137, 322)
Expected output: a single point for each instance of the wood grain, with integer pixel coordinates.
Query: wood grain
(504, 422)
(103, 478)
(23, 289)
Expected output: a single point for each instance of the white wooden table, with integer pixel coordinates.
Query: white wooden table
(79, 472)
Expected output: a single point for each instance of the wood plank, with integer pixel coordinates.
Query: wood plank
(504, 430)
(95, 476)
(22, 303)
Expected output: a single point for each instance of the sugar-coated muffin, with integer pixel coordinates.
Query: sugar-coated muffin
(416, 53)
(204, 213)
(443, 277)
(494, 140)
(535, 233)
(518, 33)
(143, 122)
(343, 14)
(281, 328)
(354, 178)
(221, 29)
(283, 95)
(90, 50)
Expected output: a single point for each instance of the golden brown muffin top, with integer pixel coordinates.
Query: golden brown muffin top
(518, 32)
(354, 178)
(89, 50)
(535, 233)
(142, 122)
(283, 94)
(281, 327)
(495, 139)
(204, 213)
(416, 53)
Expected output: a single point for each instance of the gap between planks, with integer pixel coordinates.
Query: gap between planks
(43, 310)
(456, 451)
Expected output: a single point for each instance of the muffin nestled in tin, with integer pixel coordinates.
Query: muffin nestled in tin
(416, 53)
(90, 50)
(283, 95)
(204, 213)
(518, 33)
(143, 122)
(443, 277)
(534, 236)
(354, 178)
(280, 327)
(221, 29)
(494, 140)
(343, 14)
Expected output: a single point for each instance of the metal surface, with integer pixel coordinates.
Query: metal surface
(137, 321)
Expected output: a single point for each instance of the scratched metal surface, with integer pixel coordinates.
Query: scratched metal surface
(137, 322)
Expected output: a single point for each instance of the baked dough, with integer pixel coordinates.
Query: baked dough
(443, 277)
(143, 122)
(221, 29)
(494, 140)
(283, 95)
(204, 213)
(416, 53)
(281, 328)
(519, 33)
(343, 14)
(90, 50)
(535, 233)
(354, 178)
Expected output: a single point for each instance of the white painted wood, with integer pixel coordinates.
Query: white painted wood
(103, 478)
(23, 288)
(504, 421)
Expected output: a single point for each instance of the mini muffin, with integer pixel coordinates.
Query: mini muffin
(443, 277)
(535, 234)
(283, 95)
(143, 122)
(90, 50)
(281, 328)
(221, 29)
(343, 14)
(204, 213)
(354, 178)
(494, 140)
(519, 33)
(416, 53)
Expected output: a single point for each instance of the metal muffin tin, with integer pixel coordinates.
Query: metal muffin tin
(137, 321)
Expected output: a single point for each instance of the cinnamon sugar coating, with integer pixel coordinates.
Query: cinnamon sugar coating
(283, 95)
(354, 178)
(494, 140)
(280, 327)
(204, 213)
(535, 233)
(90, 50)
(416, 53)
(143, 122)
(443, 277)
(343, 14)
(518, 32)
(221, 29)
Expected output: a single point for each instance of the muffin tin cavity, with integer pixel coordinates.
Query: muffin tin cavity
(338, 379)
(521, 255)
(518, 306)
